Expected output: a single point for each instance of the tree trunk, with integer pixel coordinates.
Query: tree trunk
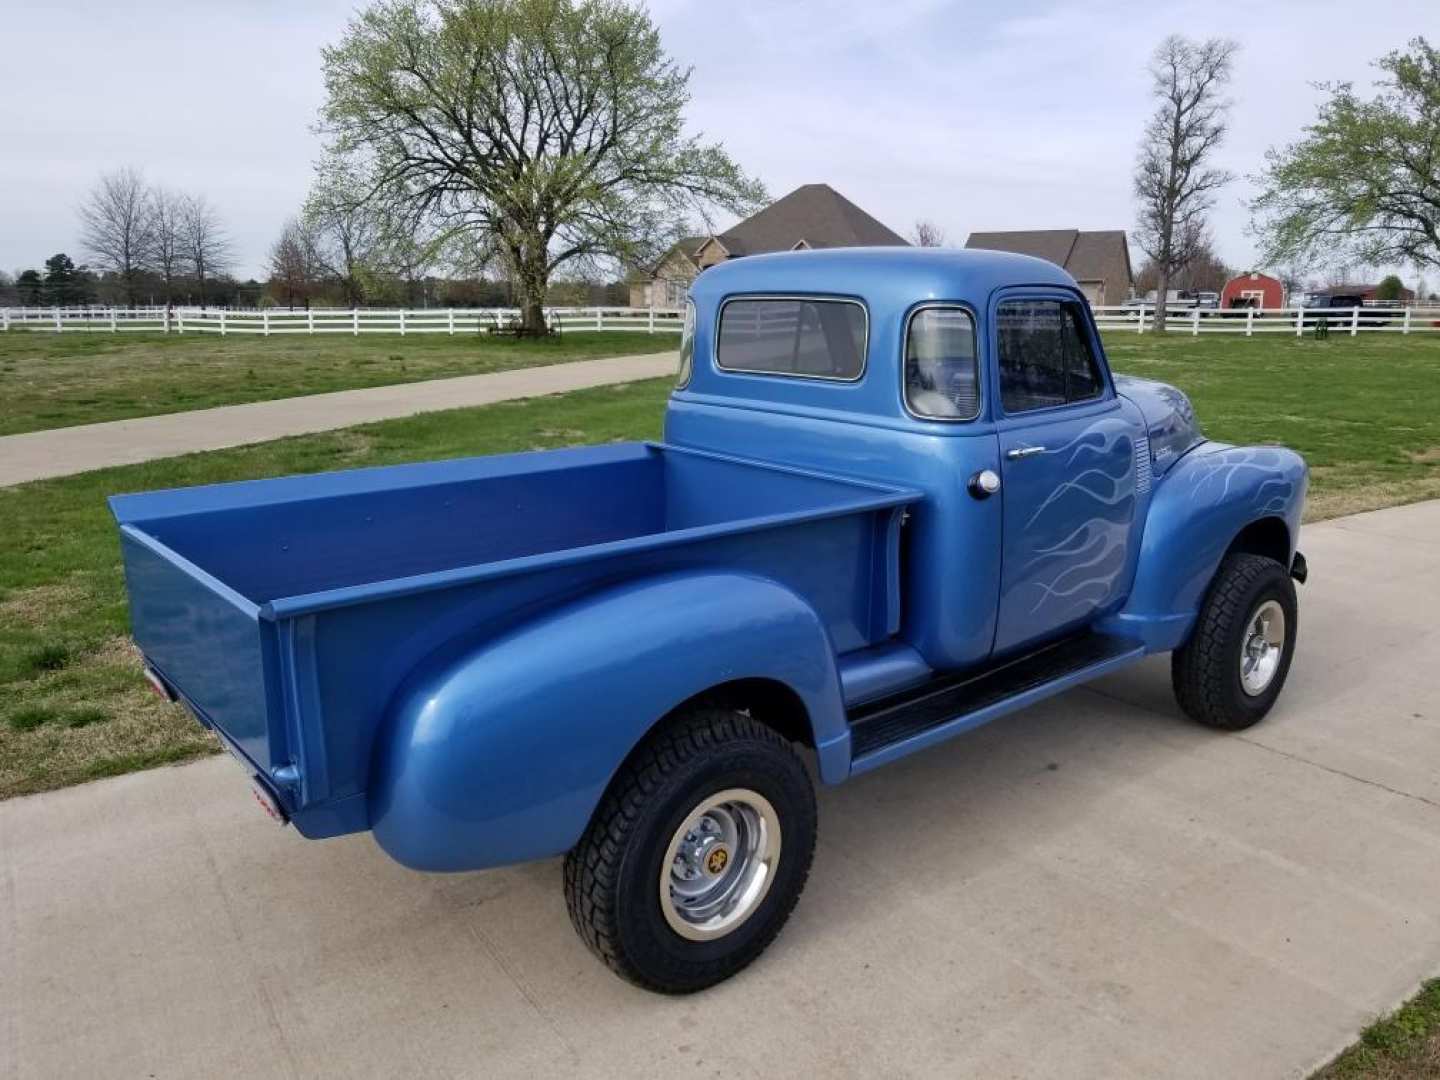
(1162, 294)
(532, 279)
(533, 317)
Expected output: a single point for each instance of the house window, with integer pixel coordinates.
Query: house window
(675, 292)
(1045, 357)
(782, 335)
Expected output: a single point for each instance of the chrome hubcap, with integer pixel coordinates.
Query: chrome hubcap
(1262, 648)
(720, 864)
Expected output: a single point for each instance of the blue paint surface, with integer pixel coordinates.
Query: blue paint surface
(459, 655)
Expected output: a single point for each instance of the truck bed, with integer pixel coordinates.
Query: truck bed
(286, 612)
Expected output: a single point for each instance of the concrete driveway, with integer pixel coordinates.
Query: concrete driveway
(38, 455)
(1093, 888)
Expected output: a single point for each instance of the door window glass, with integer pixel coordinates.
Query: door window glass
(1044, 355)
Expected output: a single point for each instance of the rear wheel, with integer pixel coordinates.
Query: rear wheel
(697, 855)
(1232, 669)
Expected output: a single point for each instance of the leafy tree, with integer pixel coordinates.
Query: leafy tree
(64, 284)
(553, 127)
(350, 231)
(1390, 288)
(296, 269)
(30, 288)
(1364, 182)
(1174, 180)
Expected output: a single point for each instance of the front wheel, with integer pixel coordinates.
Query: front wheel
(1232, 669)
(697, 855)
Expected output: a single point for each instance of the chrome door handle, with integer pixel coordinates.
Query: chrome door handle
(1023, 452)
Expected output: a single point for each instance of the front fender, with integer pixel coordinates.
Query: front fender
(501, 753)
(1196, 512)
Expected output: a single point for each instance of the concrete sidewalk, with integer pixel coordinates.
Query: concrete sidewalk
(1092, 888)
(62, 451)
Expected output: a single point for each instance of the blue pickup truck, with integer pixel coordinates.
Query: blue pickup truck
(899, 495)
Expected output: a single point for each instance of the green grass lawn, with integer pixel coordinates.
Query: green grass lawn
(72, 703)
(50, 380)
(1402, 1046)
(1366, 413)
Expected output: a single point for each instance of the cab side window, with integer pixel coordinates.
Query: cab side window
(1044, 354)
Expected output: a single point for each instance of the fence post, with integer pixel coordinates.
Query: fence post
(450, 312)
(222, 322)
(652, 321)
(599, 320)
(1405, 328)
(4, 318)
(1195, 321)
(114, 325)
(1140, 323)
(1299, 322)
(265, 323)
(402, 322)
(1354, 321)
(355, 321)
(165, 319)
(310, 320)
(57, 320)
(1249, 322)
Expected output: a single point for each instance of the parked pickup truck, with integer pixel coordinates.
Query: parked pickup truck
(900, 494)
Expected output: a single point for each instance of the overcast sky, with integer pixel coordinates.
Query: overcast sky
(975, 118)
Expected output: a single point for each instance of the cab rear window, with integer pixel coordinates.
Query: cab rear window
(798, 336)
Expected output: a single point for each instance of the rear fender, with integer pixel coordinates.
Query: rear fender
(1196, 512)
(501, 753)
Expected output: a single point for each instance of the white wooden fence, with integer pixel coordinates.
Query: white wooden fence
(333, 320)
(1140, 319)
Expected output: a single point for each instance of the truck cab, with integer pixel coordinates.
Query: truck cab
(900, 494)
(978, 378)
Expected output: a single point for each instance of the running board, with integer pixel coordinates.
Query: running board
(881, 731)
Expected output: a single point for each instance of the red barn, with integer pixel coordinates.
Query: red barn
(1252, 289)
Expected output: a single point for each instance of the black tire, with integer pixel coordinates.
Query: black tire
(1206, 670)
(612, 876)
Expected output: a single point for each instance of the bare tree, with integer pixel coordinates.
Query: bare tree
(1292, 278)
(167, 224)
(208, 250)
(296, 269)
(1173, 179)
(1203, 271)
(927, 234)
(118, 219)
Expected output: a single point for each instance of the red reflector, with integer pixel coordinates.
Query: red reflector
(268, 804)
(158, 685)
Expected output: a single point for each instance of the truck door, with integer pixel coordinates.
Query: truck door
(1067, 458)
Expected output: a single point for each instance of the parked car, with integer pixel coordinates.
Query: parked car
(1207, 300)
(1340, 309)
(900, 495)
(1175, 299)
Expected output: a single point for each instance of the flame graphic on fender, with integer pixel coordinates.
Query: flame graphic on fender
(1213, 476)
(1081, 569)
